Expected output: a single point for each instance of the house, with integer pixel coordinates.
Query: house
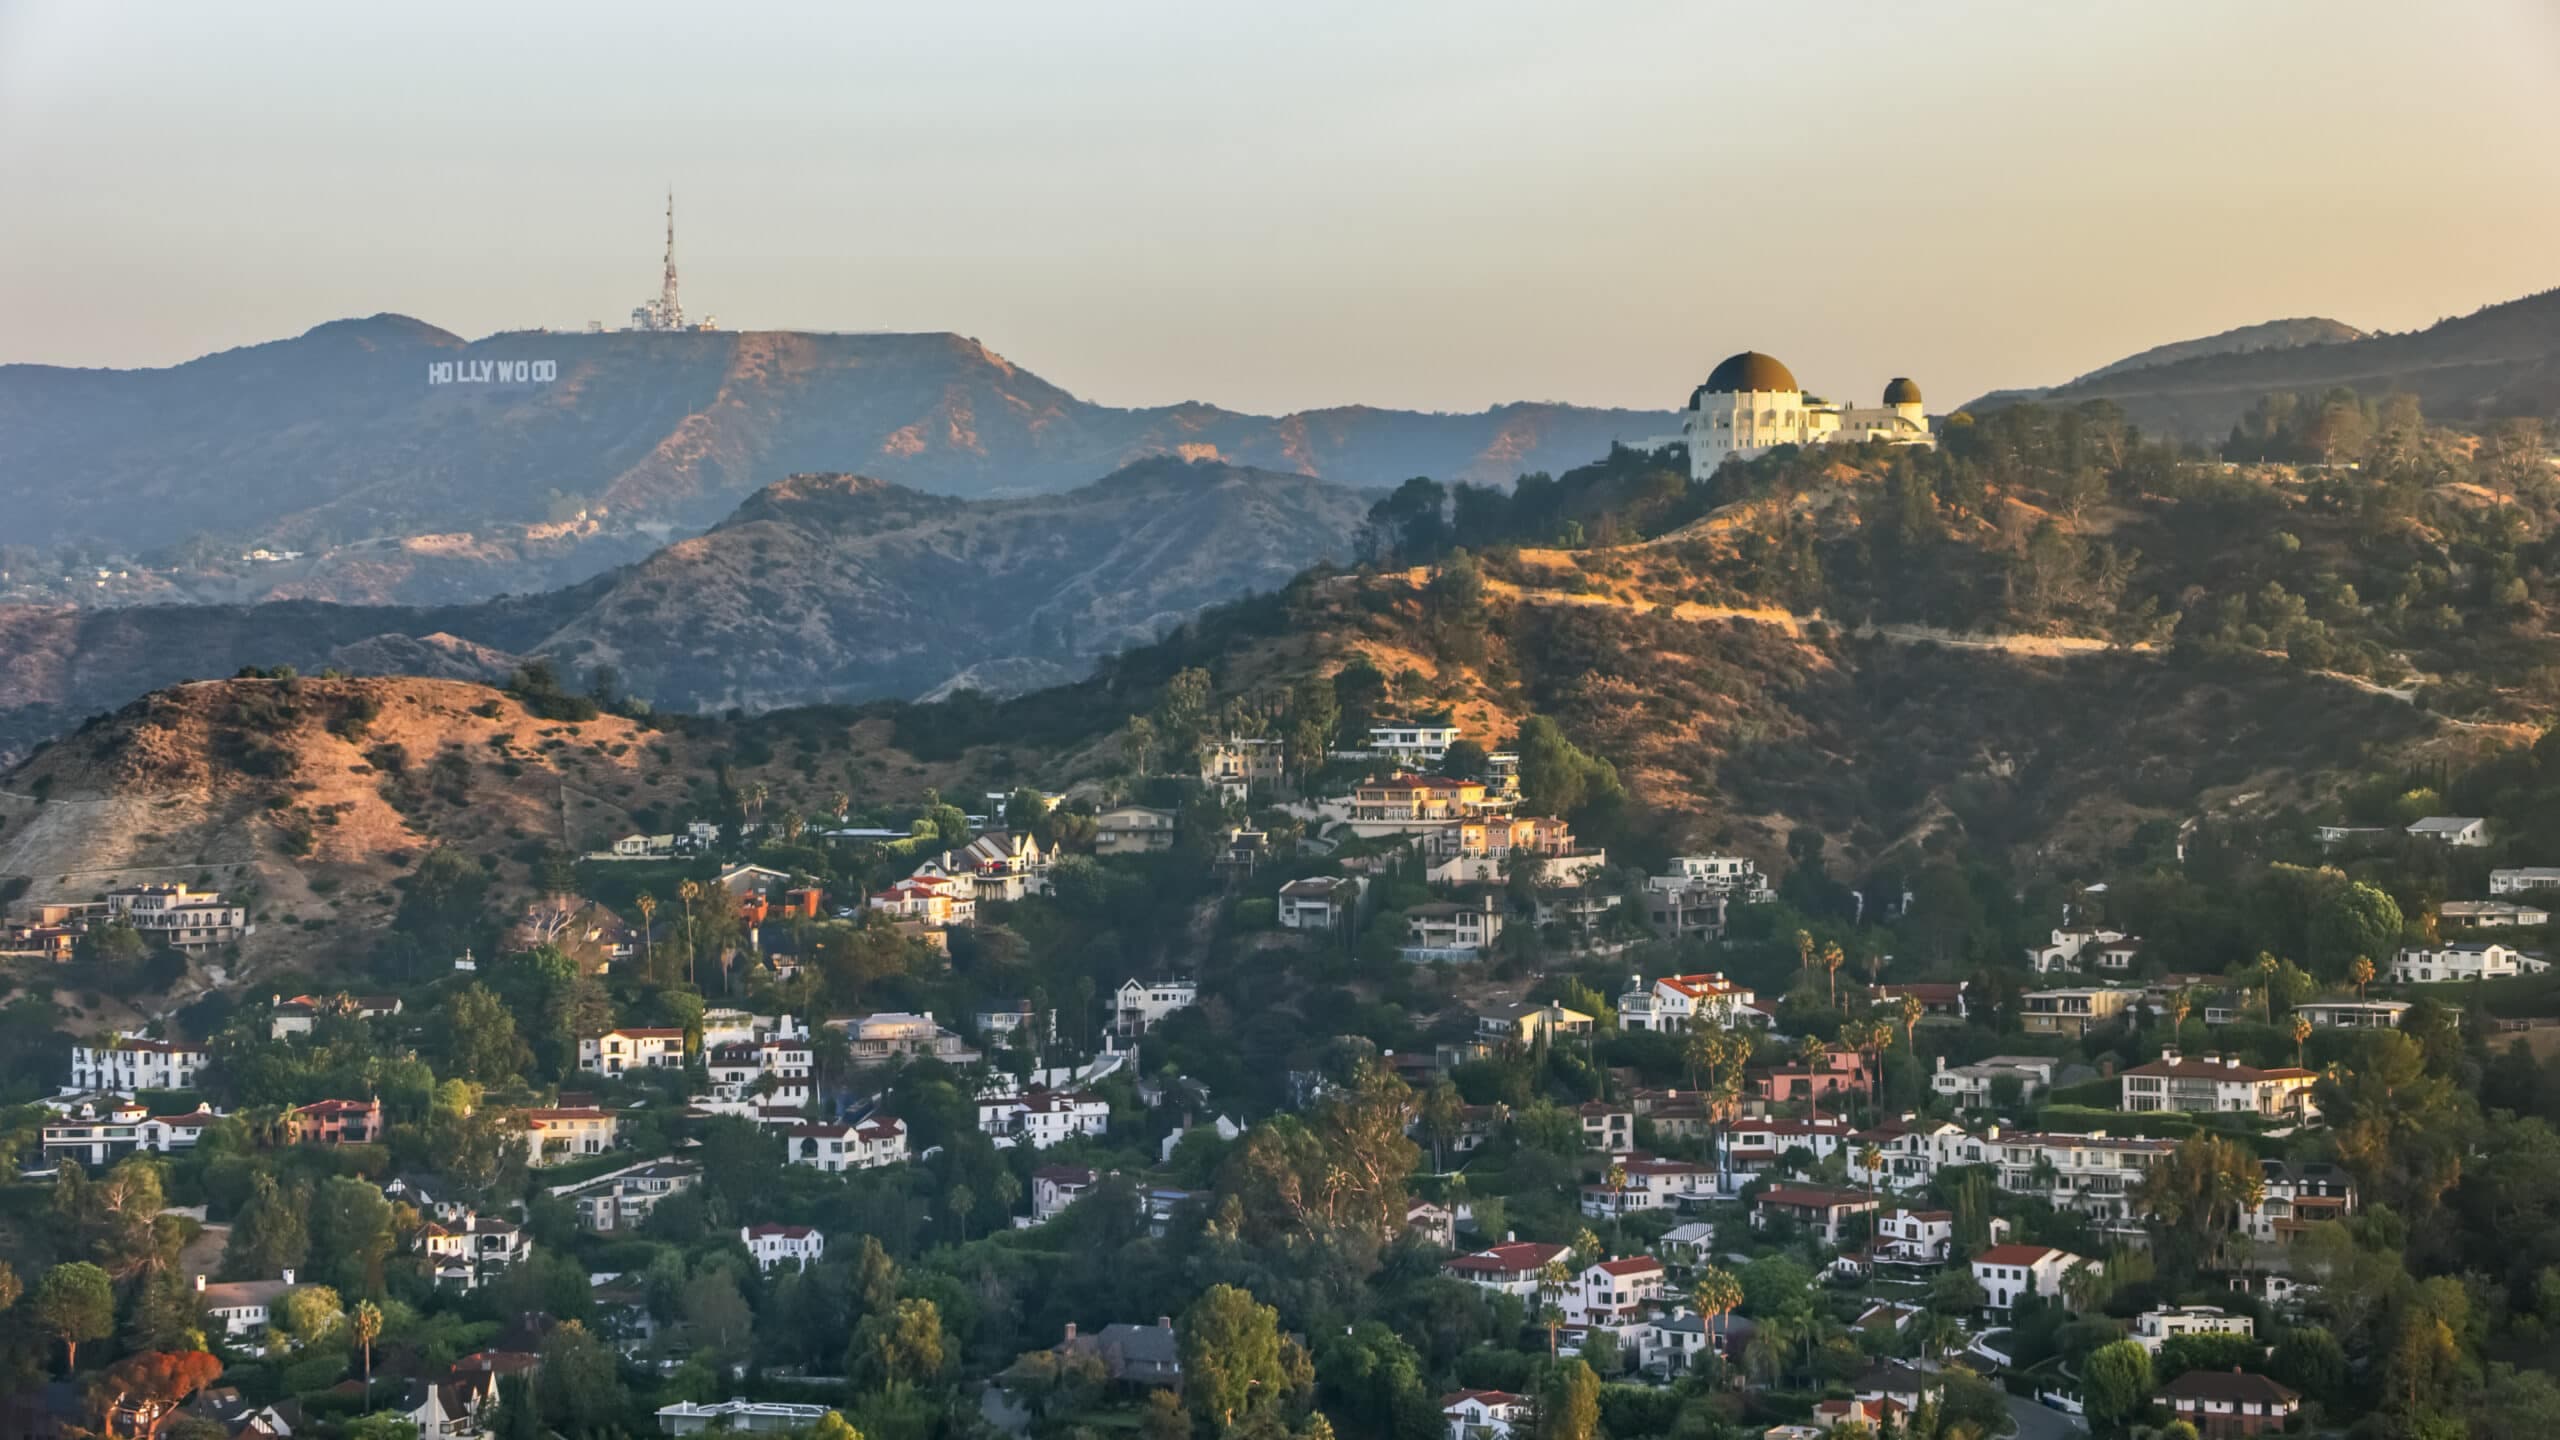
(1410, 743)
(334, 1122)
(2524, 880)
(297, 1015)
(1830, 1415)
(558, 1133)
(2096, 1175)
(744, 880)
(933, 901)
(458, 1250)
(1672, 1343)
(836, 1149)
(2469, 832)
(2353, 1014)
(1452, 930)
(2155, 1327)
(1149, 1355)
(1484, 1414)
(130, 1063)
(752, 1417)
(1324, 903)
(1687, 1247)
(1688, 912)
(615, 1051)
(1608, 1128)
(1235, 766)
(2223, 1404)
(1437, 1224)
(1894, 1383)
(1614, 1292)
(1143, 1004)
(1903, 1236)
(1972, 1085)
(243, 1308)
(1015, 1020)
(1914, 1151)
(1041, 1117)
(1005, 865)
(1524, 1025)
(1487, 849)
(180, 917)
(95, 1136)
(887, 1035)
(1676, 1002)
(2490, 914)
(776, 1069)
(1841, 1072)
(2009, 1273)
(621, 1200)
(1055, 1187)
(1133, 830)
(1939, 1000)
(1650, 1184)
(2073, 1012)
(1735, 877)
(2215, 1084)
(774, 1246)
(1753, 1145)
(2296, 1196)
(2064, 950)
(1402, 804)
(1513, 1268)
(2332, 837)
(1824, 1212)
(2462, 960)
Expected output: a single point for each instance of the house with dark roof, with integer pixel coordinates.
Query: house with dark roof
(1148, 1355)
(1822, 1211)
(2224, 1404)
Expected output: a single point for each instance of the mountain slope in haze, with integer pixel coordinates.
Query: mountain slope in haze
(338, 435)
(2498, 361)
(2266, 335)
(821, 587)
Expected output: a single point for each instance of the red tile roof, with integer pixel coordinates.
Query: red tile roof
(2020, 1255)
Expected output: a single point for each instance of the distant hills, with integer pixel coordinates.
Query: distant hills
(2500, 360)
(389, 426)
(819, 587)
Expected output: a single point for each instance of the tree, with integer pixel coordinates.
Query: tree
(367, 1324)
(481, 1041)
(1554, 1278)
(1570, 1408)
(156, 1382)
(1912, 1009)
(901, 1345)
(2353, 919)
(717, 1314)
(1441, 1113)
(311, 1313)
(1558, 779)
(578, 1387)
(1233, 1358)
(2301, 1037)
(269, 1236)
(960, 1200)
(2200, 1191)
(2116, 1384)
(1716, 1293)
(2360, 973)
(75, 1302)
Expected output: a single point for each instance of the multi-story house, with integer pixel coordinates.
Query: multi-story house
(1751, 1146)
(2353, 1014)
(298, 1015)
(839, 1148)
(459, 1251)
(1523, 1025)
(1040, 1117)
(935, 901)
(1686, 913)
(1972, 1085)
(2490, 915)
(1944, 999)
(2468, 832)
(1410, 804)
(1235, 766)
(557, 1133)
(1055, 1187)
(1486, 851)
(1326, 903)
(1485, 1414)
(2073, 1012)
(1614, 1292)
(1903, 1236)
(1676, 1002)
(2009, 1273)
(1914, 1150)
(1823, 1212)
(335, 1122)
(1650, 1184)
(623, 1199)
(2095, 1175)
(130, 1063)
(774, 1246)
(776, 1069)
(888, 1035)
(2216, 1084)
(2462, 960)
(1608, 1128)
(2298, 1195)
(2230, 1404)
(2156, 1327)
(1408, 743)
(243, 1308)
(1452, 930)
(94, 1136)
(1143, 1004)
(2067, 947)
(632, 1048)
(1736, 877)
(184, 918)
(2524, 879)
(1133, 830)
(1003, 865)
(1513, 1268)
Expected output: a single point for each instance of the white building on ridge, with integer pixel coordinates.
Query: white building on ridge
(1751, 404)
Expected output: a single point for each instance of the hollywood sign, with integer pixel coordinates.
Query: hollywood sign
(492, 372)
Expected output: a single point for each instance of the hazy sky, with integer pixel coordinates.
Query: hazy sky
(1289, 204)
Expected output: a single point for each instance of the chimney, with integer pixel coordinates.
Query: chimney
(1164, 1322)
(2169, 1056)
(1071, 1330)
(288, 1274)
(199, 1284)
(2230, 1062)
(1942, 1064)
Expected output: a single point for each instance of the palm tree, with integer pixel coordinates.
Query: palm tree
(1815, 1056)
(2181, 1004)
(1616, 1180)
(2083, 1286)
(792, 824)
(1936, 1332)
(1008, 1192)
(647, 905)
(1832, 959)
(691, 892)
(1717, 1294)
(842, 802)
(960, 1201)
(1553, 1277)
(2301, 1037)
(368, 1328)
(1912, 1009)
(2266, 970)
(2361, 972)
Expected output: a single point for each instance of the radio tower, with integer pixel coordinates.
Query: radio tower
(666, 312)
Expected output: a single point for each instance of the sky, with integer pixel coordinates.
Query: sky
(1278, 206)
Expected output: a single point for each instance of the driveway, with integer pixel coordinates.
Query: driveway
(2040, 1422)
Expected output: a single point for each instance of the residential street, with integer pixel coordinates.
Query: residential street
(2039, 1422)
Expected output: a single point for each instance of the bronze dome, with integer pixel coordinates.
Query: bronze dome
(1747, 371)
(1901, 391)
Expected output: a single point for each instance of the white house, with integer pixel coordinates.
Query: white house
(1451, 930)
(185, 918)
(2353, 1014)
(615, 1051)
(1041, 1117)
(1614, 1292)
(1484, 1414)
(1143, 1004)
(2490, 914)
(2066, 948)
(2217, 1084)
(1675, 1002)
(2153, 1328)
(1513, 1268)
(775, 1070)
(94, 1137)
(1055, 1187)
(2008, 1273)
(242, 1308)
(1651, 1184)
(1419, 746)
(130, 1062)
(798, 1246)
(1320, 902)
(2462, 960)
(1903, 1236)
(1971, 1085)
(839, 1148)
(2470, 832)
(2524, 879)
(1133, 830)
(1735, 877)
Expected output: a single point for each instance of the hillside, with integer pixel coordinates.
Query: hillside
(2498, 361)
(337, 436)
(820, 587)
